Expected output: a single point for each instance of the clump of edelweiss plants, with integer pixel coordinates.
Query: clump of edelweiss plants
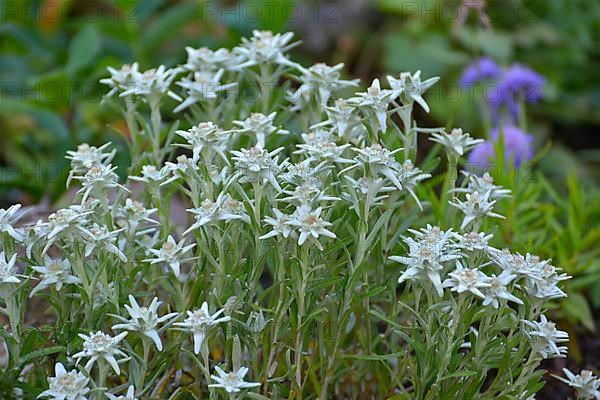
(274, 239)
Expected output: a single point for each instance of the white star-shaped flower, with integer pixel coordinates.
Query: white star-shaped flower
(411, 88)
(199, 322)
(171, 253)
(232, 382)
(467, 280)
(55, 272)
(144, 320)
(65, 385)
(99, 345)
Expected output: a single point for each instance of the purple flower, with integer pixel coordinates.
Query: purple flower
(481, 155)
(517, 144)
(483, 69)
(521, 81)
(516, 83)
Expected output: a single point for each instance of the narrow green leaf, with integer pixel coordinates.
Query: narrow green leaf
(83, 49)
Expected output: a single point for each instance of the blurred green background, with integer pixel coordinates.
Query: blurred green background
(52, 54)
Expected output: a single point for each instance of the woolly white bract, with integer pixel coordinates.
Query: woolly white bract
(290, 217)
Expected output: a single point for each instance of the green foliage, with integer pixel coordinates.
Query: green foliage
(51, 103)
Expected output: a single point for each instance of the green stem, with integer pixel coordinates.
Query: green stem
(257, 269)
(146, 350)
(102, 373)
(348, 296)
(405, 116)
(156, 119)
(14, 315)
(450, 345)
(206, 362)
(279, 314)
(264, 87)
(452, 178)
(299, 331)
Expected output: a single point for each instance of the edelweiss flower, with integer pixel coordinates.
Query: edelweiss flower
(171, 253)
(232, 209)
(472, 241)
(202, 86)
(375, 103)
(54, 272)
(475, 207)
(65, 385)
(497, 291)
(265, 48)
(256, 165)
(205, 59)
(102, 346)
(280, 225)
(342, 116)
(322, 80)
(225, 208)
(67, 223)
(261, 126)
(311, 225)
(318, 136)
(303, 172)
(86, 156)
(409, 177)
(321, 148)
(376, 160)
(8, 218)
(121, 79)
(144, 320)
(207, 139)
(99, 237)
(411, 88)
(199, 322)
(546, 288)
(152, 175)
(97, 180)
(8, 270)
(542, 279)
(182, 169)
(307, 194)
(545, 338)
(467, 280)
(133, 214)
(513, 263)
(427, 255)
(457, 141)
(232, 382)
(483, 184)
(152, 84)
(129, 396)
(207, 212)
(586, 384)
